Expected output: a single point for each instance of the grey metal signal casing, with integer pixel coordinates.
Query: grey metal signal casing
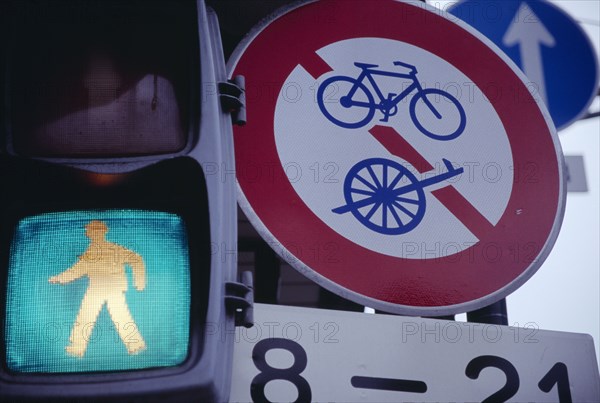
(206, 374)
(215, 149)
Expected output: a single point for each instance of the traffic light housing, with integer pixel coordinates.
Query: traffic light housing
(111, 114)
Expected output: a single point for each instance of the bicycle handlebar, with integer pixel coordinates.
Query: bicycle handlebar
(408, 66)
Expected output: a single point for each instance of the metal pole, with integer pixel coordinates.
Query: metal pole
(494, 314)
(267, 271)
(445, 317)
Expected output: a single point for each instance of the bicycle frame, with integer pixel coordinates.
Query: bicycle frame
(369, 75)
(386, 104)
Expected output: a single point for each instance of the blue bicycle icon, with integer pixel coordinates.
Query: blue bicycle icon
(375, 196)
(349, 103)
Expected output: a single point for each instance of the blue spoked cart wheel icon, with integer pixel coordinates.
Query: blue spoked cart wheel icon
(349, 103)
(386, 197)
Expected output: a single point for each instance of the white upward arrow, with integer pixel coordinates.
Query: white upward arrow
(530, 34)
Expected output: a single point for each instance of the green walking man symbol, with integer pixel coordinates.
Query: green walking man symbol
(104, 263)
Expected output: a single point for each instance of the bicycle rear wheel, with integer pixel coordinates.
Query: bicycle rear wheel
(346, 102)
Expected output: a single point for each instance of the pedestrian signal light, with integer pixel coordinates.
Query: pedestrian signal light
(113, 114)
(98, 291)
(108, 289)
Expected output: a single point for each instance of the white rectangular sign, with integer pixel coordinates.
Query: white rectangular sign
(576, 179)
(319, 355)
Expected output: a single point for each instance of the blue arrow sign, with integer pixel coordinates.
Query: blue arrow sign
(547, 44)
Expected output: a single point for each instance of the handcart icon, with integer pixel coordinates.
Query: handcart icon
(349, 103)
(386, 197)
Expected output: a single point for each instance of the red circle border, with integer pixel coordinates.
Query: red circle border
(518, 240)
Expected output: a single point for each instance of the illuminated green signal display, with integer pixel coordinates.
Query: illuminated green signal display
(98, 291)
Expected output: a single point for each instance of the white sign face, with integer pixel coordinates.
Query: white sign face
(305, 355)
(325, 137)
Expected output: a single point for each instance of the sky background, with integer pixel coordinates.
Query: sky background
(564, 294)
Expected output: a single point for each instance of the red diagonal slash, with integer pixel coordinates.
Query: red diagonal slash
(316, 66)
(448, 195)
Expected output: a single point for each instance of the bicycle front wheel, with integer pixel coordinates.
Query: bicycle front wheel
(346, 102)
(437, 114)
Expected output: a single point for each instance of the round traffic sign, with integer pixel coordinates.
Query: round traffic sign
(395, 157)
(547, 44)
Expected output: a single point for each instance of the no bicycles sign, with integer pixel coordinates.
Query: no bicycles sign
(422, 163)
